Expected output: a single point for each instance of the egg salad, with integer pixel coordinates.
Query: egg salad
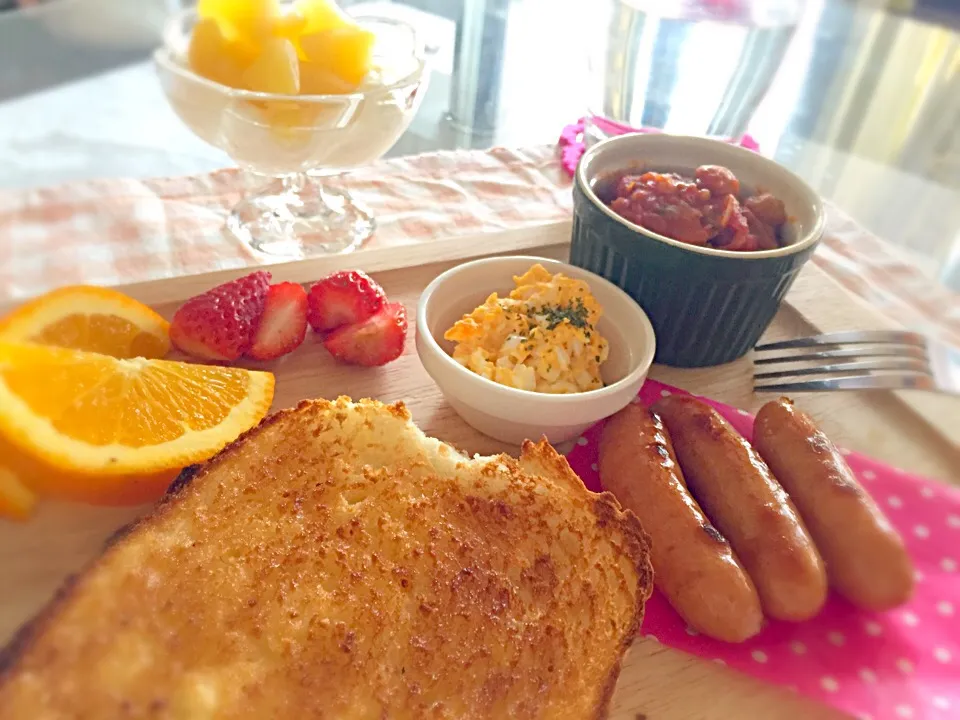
(543, 337)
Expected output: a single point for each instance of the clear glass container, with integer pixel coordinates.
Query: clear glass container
(294, 141)
(691, 67)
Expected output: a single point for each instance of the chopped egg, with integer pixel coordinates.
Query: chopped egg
(543, 337)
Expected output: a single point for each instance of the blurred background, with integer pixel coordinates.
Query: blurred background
(862, 97)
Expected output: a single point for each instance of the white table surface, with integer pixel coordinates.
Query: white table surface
(122, 127)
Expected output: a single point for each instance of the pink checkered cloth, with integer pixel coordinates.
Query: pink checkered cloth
(112, 232)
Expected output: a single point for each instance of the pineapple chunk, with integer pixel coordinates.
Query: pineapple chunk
(318, 79)
(276, 70)
(250, 20)
(290, 25)
(311, 47)
(291, 121)
(215, 57)
(346, 51)
(322, 15)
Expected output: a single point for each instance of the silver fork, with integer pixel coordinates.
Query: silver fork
(858, 360)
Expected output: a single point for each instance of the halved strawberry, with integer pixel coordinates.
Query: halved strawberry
(375, 341)
(284, 322)
(346, 297)
(220, 324)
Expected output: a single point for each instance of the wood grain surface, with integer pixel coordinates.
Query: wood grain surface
(656, 682)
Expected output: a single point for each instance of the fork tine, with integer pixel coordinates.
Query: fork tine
(860, 366)
(854, 352)
(851, 336)
(869, 382)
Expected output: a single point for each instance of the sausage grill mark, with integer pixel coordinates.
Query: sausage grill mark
(714, 534)
(844, 483)
(820, 444)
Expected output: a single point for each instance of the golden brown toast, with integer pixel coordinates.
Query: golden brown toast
(335, 562)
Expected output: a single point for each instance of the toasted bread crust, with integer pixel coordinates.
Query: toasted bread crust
(22, 639)
(618, 533)
(609, 510)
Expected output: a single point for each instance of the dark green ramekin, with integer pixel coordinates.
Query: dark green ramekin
(707, 306)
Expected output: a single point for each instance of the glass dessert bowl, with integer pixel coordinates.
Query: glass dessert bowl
(295, 141)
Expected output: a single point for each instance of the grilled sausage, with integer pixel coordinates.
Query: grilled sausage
(740, 495)
(866, 559)
(693, 564)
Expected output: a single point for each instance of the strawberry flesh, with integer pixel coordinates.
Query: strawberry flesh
(284, 322)
(375, 341)
(344, 298)
(221, 323)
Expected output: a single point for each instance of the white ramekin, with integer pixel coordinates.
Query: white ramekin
(512, 415)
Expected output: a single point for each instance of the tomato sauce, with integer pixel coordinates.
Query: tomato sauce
(704, 210)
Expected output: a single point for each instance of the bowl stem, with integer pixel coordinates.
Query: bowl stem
(297, 216)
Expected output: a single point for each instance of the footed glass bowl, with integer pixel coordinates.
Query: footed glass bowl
(294, 141)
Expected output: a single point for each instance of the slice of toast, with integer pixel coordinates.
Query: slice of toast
(336, 562)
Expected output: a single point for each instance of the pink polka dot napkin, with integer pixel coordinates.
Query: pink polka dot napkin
(875, 666)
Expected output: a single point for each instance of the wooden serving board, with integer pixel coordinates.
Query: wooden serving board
(656, 682)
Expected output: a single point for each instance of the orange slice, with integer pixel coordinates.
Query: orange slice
(33, 477)
(94, 415)
(16, 499)
(89, 318)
